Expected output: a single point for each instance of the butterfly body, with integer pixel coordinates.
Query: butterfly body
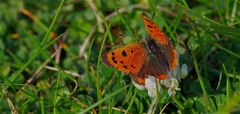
(156, 56)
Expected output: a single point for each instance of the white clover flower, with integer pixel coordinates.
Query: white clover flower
(172, 83)
(140, 87)
(152, 84)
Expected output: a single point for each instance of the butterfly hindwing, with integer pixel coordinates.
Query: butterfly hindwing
(156, 65)
(155, 57)
(171, 55)
(173, 59)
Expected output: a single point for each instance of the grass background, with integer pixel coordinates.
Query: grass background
(50, 53)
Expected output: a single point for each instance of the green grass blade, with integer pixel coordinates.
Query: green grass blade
(232, 105)
(227, 8)
(104, 99)
(228, 51)
(32, 59)
(42, 105)
(90, 80)
(153, 7)
(212, 25)
(178, 103)
(234, 10)
(99, 94)
(208, 105)
(128, 95)
(15, 75)
(219, 10)
(55, 93)
(129, 29)
(47, 36)
(228, 89)
(131, 101)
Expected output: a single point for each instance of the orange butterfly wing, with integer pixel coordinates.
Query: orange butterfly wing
(166, 45)
(128, 59)
(156, 65)
(173, 59)
(154, 31)
(134, 59)
(171, 55)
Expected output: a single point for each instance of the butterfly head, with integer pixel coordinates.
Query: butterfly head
(105, 60)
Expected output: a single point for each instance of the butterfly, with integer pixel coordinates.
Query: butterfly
(156, 56)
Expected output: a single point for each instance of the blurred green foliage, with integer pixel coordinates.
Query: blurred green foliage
(205, 30)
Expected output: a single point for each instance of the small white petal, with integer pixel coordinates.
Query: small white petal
(172, 85)
(166, 83)
(140, 87)
(171, 92)
(184, 71)
(150, 82)
(175, 73)
(151, 86)
(152, 92)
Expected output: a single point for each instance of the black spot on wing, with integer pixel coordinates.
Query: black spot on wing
(121, 62)
(124, 53)
(149, 26)
(147, 20)
(114, 60)
(125, 67)
(133, 66)
(113, 53)
(131, 51)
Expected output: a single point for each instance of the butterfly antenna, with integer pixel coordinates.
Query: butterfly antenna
(153, 15)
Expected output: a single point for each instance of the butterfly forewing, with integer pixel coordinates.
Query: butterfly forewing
(154, 31)
(156, 57)
(166, 46)
(128, 58)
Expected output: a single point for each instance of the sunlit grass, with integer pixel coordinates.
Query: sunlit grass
(41, 70)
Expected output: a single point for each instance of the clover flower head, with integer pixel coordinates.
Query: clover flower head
(154, 85)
